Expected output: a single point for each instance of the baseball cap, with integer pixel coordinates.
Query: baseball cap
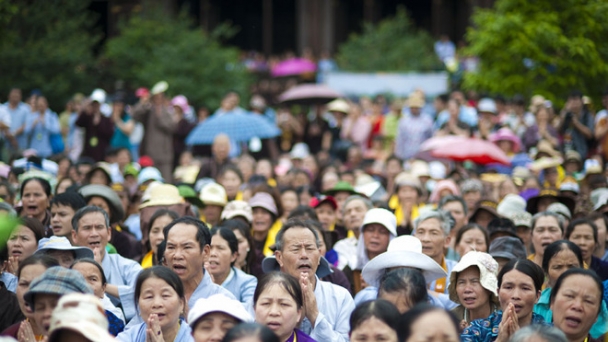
(237, 208)
(318, 200)
(383, 217)
(213, 194)
(218, 303)
(59, 281)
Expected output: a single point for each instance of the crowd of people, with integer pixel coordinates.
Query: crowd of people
(343, 227)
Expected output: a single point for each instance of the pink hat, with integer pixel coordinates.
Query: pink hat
(508, 135)
(264, 200)
(446, 184)
(180, 101)
(142, 92)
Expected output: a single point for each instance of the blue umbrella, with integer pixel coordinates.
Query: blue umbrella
(239, 127)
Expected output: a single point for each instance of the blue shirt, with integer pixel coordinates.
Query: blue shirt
(9, 280)
(412, 131)
(450, 264)
(138, 334)
(205, 289)
(486, 329)
(19, 117)
(335, 305)
(467, 115)
(119, 139)
(122, 272)
(241, 285)
(542, 307)
(39, 134)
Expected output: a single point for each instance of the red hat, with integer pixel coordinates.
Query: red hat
(142, 92)
(146, 161)
(317, 201)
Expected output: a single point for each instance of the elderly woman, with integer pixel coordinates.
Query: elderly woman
(473, 285)
(547, 227)
(583, 232)
(576, 301)
(519, 286)
(560, 257)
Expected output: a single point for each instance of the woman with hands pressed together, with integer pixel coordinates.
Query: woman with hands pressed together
(159, 294)
(519, 286)
(279, 304)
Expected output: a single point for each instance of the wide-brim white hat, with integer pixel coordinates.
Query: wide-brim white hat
(488, 271)
(403, 251)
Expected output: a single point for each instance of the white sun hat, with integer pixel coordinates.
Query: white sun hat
(403, 251)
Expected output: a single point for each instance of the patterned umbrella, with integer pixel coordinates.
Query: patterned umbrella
(240, 127)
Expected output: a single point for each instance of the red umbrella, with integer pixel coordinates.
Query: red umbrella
(293, 67)
(309, 94)
(478, 151)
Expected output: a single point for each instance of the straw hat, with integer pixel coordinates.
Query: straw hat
(237, 208)
(338, 105)
(163, 194)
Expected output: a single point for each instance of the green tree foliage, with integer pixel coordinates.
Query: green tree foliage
(542, 46)
(47, 46)
(154, 46)
(392, 45)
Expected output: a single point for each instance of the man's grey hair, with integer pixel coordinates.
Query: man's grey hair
(558, 217)
(470, 185)
(538, 332)
(442, 216)
(88, 210)
(295, 223)
(368, 204)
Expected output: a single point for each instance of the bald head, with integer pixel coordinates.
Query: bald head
(221, 146)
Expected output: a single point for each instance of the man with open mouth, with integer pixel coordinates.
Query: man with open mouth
(327, 306)
(92, 229)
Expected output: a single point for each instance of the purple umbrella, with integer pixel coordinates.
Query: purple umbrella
(307, 94)
(293, 67)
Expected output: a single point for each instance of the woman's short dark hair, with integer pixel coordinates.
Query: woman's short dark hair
(35, 226)
(583, 272)
(580, 222)
(163, 212)
(526, 267)
(256, 330)
(472, 226)
(37, 259)
(245, 230)
(46, 186)
(408, 281)
(408, 319)
(228, 235)
(558, 246)
(286, 281)
(160, 272)
(381, 309)
(104, 280)
(233, 168)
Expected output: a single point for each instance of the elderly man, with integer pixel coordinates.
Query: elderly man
(327, 307)
(354, 211)
(457, 207)
(433, 230)
(92, 229)
(221, 151)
